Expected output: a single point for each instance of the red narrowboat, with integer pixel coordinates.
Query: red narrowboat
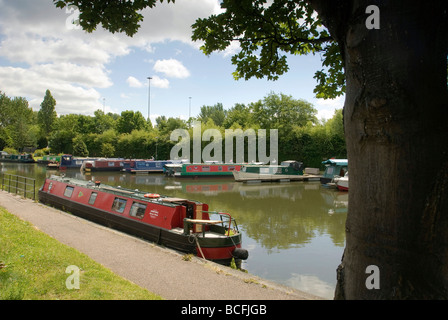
(177, 223)
(105, 165)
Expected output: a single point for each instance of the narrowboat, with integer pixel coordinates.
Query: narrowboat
(290, 170)
(46, 159)
(333, 167)
(147, 166)
(21, 158)
(198, 170)
(177, 223)
(70, 162)
(103, 165)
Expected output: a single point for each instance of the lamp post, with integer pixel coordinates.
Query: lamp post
(189, 113)
(157, 140)
(149, 97)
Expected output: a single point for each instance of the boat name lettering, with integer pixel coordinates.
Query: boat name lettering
(154, 213)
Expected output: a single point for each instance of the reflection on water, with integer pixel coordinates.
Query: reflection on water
(294, 231)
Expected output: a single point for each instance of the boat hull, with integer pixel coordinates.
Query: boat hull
(342, 184)
(201, 170)
(248, 176)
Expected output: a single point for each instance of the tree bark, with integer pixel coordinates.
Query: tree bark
(396, 126)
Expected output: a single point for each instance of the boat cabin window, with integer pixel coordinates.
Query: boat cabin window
(92, 198)
(68, 191)
(119, 205)
(205, 168)
(138, 210)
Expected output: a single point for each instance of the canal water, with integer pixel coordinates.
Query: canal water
(294, 231)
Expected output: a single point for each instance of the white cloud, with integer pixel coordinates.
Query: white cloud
(46, 54)
(70, 97)
(159, 82)
(171, 68)
(326, 107)
(134, 82)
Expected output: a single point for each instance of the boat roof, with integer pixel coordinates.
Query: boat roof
(136, 194)
(341, 162)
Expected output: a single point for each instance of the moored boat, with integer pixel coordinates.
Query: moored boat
(333, 168)
(104, 165)
(49, 158)
(147, 166)
(342, 182)
(177, 223)
(20, 158)
(287, 171)
(206, 170)
(70, 162)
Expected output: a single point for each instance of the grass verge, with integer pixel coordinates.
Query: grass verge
(33, 266)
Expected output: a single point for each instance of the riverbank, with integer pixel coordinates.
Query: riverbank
(159, 270)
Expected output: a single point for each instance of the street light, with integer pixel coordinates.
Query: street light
(149, 97)
(189, 112)
(157, 139)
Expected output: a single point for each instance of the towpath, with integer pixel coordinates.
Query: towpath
(159, 270)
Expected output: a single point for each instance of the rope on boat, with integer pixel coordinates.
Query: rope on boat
(197, 242)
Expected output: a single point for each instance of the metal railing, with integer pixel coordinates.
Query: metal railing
(19, 185)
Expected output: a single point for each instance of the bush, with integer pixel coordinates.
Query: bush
(10, 150)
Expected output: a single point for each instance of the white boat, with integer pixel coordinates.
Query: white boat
(287, 171)
(342, 182)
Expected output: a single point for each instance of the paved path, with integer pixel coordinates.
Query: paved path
(157, 269)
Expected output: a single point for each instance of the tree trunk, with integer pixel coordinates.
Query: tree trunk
(396, 126)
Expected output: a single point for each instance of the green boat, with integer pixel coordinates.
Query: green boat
(49, 158)
(21, 158)
(334, 167)
(290, 170)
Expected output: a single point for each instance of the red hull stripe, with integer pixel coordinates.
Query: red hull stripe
(217, 253)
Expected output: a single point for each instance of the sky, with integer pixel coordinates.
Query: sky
(40, 49)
